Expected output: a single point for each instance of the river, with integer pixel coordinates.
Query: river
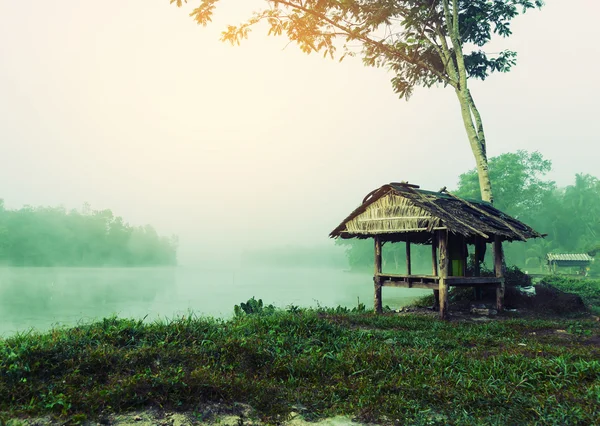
(41, 298)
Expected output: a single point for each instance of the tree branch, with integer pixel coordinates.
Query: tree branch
(369, 41)
(453, 31)
(447, 57)
(478, 122)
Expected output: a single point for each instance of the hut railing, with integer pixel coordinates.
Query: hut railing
(432, 282)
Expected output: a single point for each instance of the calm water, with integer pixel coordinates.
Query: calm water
(40, 298)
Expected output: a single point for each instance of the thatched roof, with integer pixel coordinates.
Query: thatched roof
(401, 212)
(569, 257)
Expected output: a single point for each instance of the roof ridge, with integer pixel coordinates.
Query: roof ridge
(470, 218)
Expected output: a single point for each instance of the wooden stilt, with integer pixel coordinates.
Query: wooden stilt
(434, 267)
(498, 267)
(465, 256)
(434, 261)
(477, 265)
(443, 268)
(378, 305)
(408, 265)
(443, 296)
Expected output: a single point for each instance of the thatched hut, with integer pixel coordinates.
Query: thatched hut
(581, 261)
(403, 212)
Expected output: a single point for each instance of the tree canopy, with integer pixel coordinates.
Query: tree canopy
(414, 38)
(520, 184)
(51, 236)
(422, 42)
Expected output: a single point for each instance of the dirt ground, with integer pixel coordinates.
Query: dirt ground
(236, 415)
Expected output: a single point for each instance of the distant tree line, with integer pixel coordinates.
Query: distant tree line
(570, 215)
(53, 236)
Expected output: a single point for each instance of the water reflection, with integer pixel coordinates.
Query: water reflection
(42, 297)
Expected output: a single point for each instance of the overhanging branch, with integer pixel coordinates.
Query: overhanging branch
(381, 46)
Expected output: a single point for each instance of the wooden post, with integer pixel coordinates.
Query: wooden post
(498, 267)
(477, 270)
(477, 265)
(465, 255)
(408, 266)
(434, 263)
(443, 268)
(378, 306)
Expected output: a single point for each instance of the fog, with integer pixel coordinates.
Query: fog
(131, 106)
(41, 298)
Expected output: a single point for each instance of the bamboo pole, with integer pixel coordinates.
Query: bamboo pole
(434, 262)
(465, 255)
(443, 268)
(378, 306)
(498, 267)
(477, 265)
(408, 264)
(434, 268)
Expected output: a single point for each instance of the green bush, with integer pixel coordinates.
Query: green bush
(595, 268)
(515, 277)
(424, 302)
(253, 307)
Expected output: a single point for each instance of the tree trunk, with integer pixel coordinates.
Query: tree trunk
(470, 114)
(477, 141)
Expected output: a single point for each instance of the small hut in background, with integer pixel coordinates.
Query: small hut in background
(581, 261)
(403, 212)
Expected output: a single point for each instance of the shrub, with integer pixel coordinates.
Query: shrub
(594, 271)
(252, 307)
(515, 277)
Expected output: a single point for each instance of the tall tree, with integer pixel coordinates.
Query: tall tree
(522, 190)
(520, 182)
(580, 227)
(423, 42)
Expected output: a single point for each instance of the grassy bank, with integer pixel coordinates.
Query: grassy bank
(376, 368)
(555, 294)
(588, 289)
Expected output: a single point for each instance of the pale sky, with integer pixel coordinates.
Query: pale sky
(130, 105)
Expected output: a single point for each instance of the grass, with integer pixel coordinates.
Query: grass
(387, 368)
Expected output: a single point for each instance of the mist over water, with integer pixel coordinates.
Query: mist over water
(231, 163)
(41, 298)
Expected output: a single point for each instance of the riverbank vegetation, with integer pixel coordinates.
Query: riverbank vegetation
(394, 369)
(53, 236)
(522, 189)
